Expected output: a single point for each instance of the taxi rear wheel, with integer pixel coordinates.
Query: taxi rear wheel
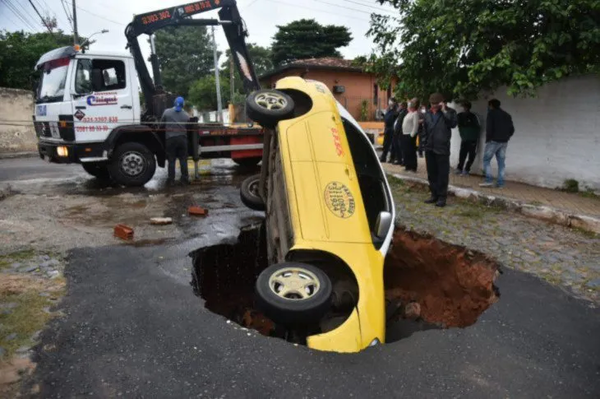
(293, 294)
(249, 193)
(269, 107)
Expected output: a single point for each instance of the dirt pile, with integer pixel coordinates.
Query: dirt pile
(452, 285)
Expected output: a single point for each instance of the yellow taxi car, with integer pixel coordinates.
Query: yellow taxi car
(329, 219)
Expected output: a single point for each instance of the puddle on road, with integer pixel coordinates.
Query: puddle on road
(429, 284)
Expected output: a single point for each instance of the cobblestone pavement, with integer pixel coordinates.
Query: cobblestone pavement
(562, 256)
(575, 203)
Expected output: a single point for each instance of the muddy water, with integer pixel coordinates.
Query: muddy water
(428, 283)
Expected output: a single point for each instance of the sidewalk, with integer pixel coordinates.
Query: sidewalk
(568, 205)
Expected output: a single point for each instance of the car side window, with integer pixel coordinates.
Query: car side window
(83, 78)
(112, 74)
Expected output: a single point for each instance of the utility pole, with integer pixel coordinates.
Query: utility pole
(219, 105)
(75, 36)
(231, 77)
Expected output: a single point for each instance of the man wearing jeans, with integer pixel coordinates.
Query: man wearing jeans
(499, 130)
(175, 121)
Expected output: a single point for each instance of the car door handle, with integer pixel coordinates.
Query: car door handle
(126, 107)
(80, 107)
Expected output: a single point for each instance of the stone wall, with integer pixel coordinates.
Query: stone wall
(16, 127)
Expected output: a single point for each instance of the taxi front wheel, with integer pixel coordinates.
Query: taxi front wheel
(293, 294)
(268, 107)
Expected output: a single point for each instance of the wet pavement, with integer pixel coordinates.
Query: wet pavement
(133, 327)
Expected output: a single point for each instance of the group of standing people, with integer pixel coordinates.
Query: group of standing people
(433, 127)
(402, 126)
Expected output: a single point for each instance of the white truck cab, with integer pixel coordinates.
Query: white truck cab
(83, 98)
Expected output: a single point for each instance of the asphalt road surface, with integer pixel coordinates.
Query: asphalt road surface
(132, 327)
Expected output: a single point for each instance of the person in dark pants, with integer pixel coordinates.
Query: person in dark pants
(421, 133)
(388, 133)
(397, 153)
(438, 124)
(499, 129)
(469, 128)
(410, 127)
(175, 121)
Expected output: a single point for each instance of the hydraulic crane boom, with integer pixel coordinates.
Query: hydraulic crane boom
(148, 23)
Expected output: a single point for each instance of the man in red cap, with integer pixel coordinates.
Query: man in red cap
(438, 123)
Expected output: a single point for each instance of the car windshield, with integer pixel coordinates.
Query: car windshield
(52, 82)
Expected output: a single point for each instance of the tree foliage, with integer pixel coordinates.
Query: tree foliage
(462, 47)
(19, 51)
(203, 93)
(185, 55)
(306, 38)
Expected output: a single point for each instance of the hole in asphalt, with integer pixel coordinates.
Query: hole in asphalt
(429, 284)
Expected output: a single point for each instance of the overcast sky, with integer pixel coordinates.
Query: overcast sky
(261, 16)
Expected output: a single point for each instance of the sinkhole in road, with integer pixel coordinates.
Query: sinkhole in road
(429, 283)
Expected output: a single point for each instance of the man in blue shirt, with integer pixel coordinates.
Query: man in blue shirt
(175, 123)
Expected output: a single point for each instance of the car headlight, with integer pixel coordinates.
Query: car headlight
(375, 342)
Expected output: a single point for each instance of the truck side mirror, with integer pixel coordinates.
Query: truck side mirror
(96, 79)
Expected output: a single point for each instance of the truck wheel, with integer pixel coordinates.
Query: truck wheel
(97, 169)
(132, 164)
(269, 107)
(293, 293)
(247, 162)
(249, 193)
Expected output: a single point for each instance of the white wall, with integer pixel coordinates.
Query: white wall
(557, 134)
(16, 126)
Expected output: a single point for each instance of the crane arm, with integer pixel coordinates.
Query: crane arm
(148, 23)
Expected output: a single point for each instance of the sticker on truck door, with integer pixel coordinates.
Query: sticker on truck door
(339, 200)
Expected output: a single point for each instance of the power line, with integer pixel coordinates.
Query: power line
(27, 13)
(27, 24)
(65, 9)
(315, 9)
(100, 16)
(41, 17)
(345, 8)
(370, 6)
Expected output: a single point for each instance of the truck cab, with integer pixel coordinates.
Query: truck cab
(81, 99)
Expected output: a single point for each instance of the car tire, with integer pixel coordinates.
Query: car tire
(132, 164)
(268, 107)
(293, 306)
(247, 162)
(249, 193)
(97, 169)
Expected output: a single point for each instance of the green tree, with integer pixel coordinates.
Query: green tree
(261, 59)
(462, 47)
(203, 93)
(306, 38)
(185, 55)
(19, 51)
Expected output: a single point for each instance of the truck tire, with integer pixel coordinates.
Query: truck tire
(132, 164)
(268, 107)
(249, 193)
(97, 169)
(293, 294)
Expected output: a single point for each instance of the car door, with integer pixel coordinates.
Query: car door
(102, 98)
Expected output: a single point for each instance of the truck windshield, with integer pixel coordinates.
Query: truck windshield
(52, 81)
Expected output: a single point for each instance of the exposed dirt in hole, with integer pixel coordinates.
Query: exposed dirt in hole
(429, 284)
(224, 276)
(444, 284)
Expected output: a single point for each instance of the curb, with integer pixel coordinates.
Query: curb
(12, 155)
(546, 213)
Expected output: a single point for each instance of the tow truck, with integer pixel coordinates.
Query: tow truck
(88, 108)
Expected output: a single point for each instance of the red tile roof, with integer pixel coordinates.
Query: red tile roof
(316, 63)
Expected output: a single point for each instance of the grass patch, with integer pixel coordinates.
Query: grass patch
(20, 256)
(588, 193)
(29, 313)
(471, 212)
